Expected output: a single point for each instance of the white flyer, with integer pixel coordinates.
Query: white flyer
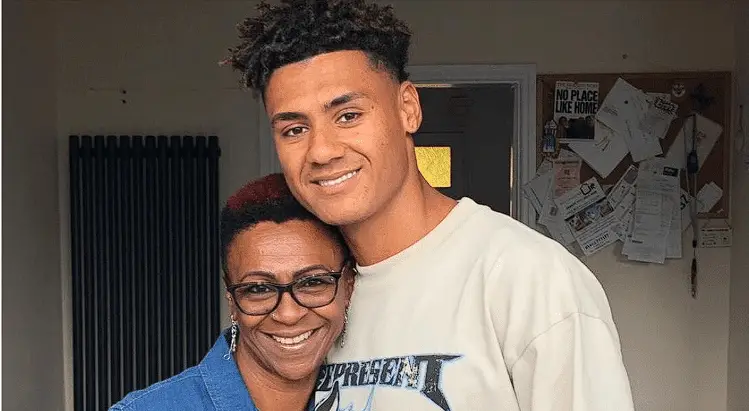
(579, 197)
(627, 110)
(705, 138)
(535, 190)
(605, 152)
(622, 198)
(551, 219)
(590, 217)
(656, 202)
(708, 197)
(624, 186)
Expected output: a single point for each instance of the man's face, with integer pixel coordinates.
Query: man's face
(341, 129)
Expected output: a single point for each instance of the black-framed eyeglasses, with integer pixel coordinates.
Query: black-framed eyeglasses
(314, 290)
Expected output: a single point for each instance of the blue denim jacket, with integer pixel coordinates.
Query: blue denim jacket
(215, 384)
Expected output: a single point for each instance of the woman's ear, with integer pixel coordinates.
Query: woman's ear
(232, 309)
(349, 280)
(410, 107)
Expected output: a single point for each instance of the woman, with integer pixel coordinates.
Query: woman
(288, 278)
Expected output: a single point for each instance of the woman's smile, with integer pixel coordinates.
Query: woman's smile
(295, 341)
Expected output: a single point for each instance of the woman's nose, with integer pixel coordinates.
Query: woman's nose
(288, 312)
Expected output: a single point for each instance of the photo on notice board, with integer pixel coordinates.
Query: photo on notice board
(575, 108)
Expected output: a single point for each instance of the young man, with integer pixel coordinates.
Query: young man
(456, 307)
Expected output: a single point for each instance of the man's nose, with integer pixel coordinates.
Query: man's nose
(324, 146)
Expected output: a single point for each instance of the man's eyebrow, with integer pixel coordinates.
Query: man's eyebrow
(287, 116)
(336, 102)
(343, 99)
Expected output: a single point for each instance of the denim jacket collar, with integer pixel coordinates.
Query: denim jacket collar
(223, 381)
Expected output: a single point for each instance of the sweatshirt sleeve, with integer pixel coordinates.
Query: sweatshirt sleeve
(573, 366)
(556, 332)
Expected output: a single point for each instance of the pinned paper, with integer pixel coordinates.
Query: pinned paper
(590, 216)
(552, 219)
(707, 135)
(605, 152)
(685, 201)
(627, 110)
(575, 107)
(657, 120)
(544, 167)
(566, 175)
(536, 190)
(622, 198)
(708, 197)
(663, 96)
(656, 202)
(624, 186)
(549, 142)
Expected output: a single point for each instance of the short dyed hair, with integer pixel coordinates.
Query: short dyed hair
(267, 199)
(299, 29)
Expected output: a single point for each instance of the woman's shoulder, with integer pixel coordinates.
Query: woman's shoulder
(184, 391)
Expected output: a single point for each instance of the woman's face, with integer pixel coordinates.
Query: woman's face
(291, 341)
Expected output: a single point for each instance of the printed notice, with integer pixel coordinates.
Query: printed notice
(575, 107)
(656, 201)
(566, 176)
(658, 118)
(589, 216)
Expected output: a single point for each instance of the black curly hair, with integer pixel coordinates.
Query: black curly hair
(265, 199)
(299, 29)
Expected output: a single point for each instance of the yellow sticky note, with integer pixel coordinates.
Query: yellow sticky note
(434, 164)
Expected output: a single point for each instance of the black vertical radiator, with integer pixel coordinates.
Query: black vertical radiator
(144, 259)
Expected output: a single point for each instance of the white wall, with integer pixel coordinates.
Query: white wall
(164, 54)
(738, 353)
(32, 327)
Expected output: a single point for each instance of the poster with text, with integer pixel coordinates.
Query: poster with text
(575, 108)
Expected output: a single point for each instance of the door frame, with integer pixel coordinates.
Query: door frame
(522, 77)
(523, 151)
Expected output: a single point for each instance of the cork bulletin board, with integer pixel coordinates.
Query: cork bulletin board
(707, 92)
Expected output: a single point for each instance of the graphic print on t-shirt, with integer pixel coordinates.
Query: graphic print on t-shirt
(420, 374)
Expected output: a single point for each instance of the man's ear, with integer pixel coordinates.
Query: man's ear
(410, 107)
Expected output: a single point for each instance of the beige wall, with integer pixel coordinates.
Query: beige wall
(164, 54)
(32, 328)
(738, 353)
